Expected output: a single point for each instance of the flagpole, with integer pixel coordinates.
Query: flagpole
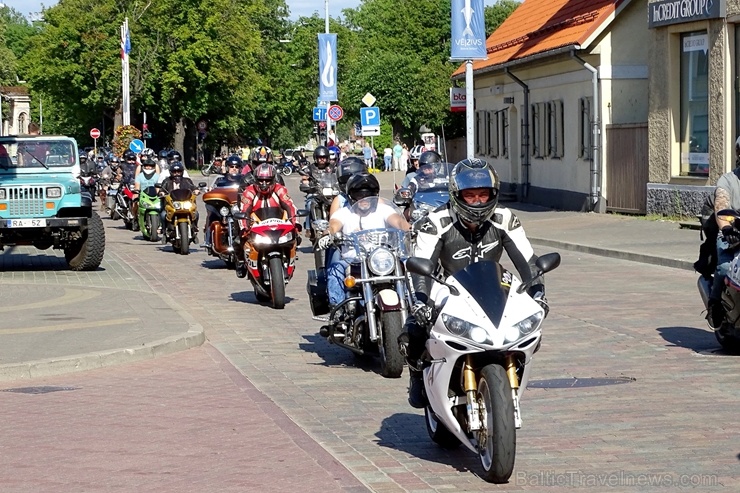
(125, 49)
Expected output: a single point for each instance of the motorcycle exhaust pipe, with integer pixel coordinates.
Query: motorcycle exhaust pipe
(705, 287)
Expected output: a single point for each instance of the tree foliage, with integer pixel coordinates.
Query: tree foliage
(241, 66)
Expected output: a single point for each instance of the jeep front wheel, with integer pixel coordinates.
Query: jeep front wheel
(86, 253)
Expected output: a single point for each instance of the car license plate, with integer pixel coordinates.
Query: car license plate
(25, 223)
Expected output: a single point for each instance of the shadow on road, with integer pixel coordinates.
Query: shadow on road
(407, 433)
(698, 340)
(249, 297)
(11, 261)
(335, 356)
(214, 264)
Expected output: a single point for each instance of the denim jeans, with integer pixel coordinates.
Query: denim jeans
(725, 254)
(335, 273)
(387, 162)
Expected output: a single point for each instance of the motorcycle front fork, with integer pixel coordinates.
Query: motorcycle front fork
(470, 385)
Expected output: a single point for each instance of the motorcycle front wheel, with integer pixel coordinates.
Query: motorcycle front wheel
(277, 283)
(391, 359)
(205, 170)
(287, 170)
(497, 436)
(184, 238)
(153, 225)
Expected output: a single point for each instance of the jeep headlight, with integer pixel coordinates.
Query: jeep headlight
(382, 262)
(224, 211)
(3, 194)
(465, 329)
(53, 192)
(523, 328)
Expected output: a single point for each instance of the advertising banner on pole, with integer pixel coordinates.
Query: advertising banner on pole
(468, 30)
(328, 67)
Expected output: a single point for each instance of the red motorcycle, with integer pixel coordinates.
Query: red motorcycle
(122, 207)
(270, 253)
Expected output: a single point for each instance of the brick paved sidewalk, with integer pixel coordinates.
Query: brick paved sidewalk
(188, 422)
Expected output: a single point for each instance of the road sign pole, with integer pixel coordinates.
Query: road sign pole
(328, 118)
(469, 109)
(95, 148)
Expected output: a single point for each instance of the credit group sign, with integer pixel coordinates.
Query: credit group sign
(468, 30)
(667, 12)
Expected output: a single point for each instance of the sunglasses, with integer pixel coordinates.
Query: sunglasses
(234, 166)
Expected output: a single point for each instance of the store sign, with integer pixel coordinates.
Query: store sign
(667, 12)
(699, 42)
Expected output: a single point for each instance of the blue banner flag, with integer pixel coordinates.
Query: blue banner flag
(468, 30)
(328, 67)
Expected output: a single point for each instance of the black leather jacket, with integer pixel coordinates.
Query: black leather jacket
(448, 243)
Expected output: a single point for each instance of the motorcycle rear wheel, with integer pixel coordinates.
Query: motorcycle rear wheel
(391, 359)
(277, 283)
(184, 238)
(438, 432)
(497, 437)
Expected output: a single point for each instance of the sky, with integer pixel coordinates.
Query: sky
(298, 8)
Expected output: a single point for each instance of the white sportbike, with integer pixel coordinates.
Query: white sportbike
(477, 359)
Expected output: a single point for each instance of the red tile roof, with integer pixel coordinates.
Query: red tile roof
(538, 26)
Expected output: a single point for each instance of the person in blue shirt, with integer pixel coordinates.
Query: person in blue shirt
(367, 153)
(147, 178)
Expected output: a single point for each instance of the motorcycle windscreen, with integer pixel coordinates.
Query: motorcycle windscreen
(150, 191)
(433, 197)
(483, 281)
(181, 194)
(270, 213)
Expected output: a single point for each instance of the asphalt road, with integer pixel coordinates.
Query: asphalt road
(628, 393)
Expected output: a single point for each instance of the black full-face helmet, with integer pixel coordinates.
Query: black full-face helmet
(429, 157)
(362, 185)
(471, 174)
(173, 156)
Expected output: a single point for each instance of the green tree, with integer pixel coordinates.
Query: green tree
(497, 13)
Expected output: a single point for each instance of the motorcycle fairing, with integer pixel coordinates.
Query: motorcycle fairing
(481, 281)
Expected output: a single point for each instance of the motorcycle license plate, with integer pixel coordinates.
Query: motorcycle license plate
(25, 223)
(112, 192)
(329, 191)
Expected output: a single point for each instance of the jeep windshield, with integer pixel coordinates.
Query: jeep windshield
(36, 152)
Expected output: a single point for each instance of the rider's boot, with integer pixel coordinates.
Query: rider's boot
(715, 313)
(417, 396)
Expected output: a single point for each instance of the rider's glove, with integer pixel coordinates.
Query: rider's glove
(539, 297)
(422, 313)
(325, 242)
(730, 235)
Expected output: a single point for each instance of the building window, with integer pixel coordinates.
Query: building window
(534, 129)
(694, 104)
(22, 123)
(555, 129)
(479, 137)
(492, 133)
(585, 130)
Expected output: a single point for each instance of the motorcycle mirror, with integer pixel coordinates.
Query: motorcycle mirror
(301, 213)
(421, 266)
(546, 263)
(202, 184)
(239, 215)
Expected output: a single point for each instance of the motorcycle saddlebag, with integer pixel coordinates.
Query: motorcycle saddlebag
(317, 295)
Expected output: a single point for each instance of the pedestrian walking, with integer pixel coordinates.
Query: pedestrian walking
(397, 153)
(404, 161)
(367, 154)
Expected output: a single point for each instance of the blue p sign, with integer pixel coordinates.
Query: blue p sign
(370, 117)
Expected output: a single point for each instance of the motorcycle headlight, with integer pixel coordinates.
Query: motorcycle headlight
(157, 205)
(177, 205)
(187, 205)
(523, 328)
(382, 262)
(465, 329)
(261, 240)
(286, 238)
(224, 211)
(235, 209)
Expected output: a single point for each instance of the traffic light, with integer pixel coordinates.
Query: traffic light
(145, 133)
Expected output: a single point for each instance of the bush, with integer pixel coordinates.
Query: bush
(123, 137)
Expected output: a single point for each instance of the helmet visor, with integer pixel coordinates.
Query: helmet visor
(475, 178)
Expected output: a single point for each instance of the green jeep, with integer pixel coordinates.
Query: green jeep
(41, 203)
